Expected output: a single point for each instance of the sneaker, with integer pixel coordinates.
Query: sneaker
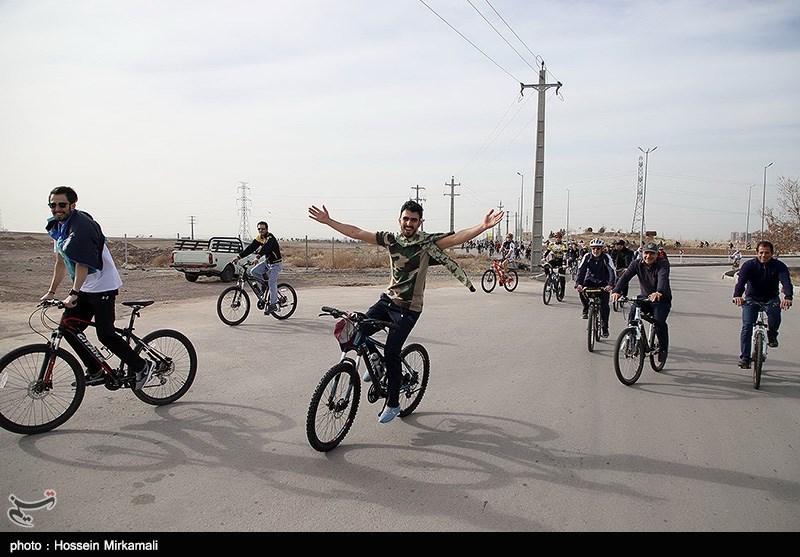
(97, 377)
(744, 363)
(585, 315)
(662, 356)
(367, 377)
(270, 308)
(604, 332)
(388, 414)
(144, 375)
(772, 343)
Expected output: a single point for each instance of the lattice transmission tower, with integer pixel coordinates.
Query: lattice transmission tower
(244, 211)
(638, 209)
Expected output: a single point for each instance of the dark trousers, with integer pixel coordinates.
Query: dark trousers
(749, 317)
(659, 311)
(385, 310)
(605, 310)
(101, 307)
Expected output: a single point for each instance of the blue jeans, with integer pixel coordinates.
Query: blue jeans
(273, 268)
(385, 310)
(660, 311)
(749, 317)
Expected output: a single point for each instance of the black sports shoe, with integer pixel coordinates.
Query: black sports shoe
(585, 315)
(604, 332)
(662, 356)
(95, 377)
(772, 342)
(744, 363)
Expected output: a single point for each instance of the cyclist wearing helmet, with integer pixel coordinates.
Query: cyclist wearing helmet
(508, 251)
(553, 256)
(596, 271)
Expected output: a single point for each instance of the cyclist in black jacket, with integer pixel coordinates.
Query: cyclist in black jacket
(596, 270)
(265, 245)
(622, 256)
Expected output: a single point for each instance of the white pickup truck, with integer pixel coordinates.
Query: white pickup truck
(195, 258)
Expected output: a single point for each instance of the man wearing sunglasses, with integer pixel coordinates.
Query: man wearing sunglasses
(81, 252)
(267, 245)
(653, 273)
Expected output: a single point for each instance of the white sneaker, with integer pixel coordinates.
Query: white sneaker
(388, 414)
(143, 376)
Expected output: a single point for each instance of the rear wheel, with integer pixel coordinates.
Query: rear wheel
(192, 277)
(233, 305)
(511, 280)
(416, 366)
(488, 281)
(333, 407)
(591, 328)
(228, 274)
(176, 366)
(28, 406)
(547, 291)
(287, 301)
(628, 357)
(758, 358)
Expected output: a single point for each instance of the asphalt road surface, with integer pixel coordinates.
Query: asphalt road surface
(521, 429)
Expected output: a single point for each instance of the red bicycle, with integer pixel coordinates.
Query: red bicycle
(495, 274)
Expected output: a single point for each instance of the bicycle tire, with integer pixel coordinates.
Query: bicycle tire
(511, 284)
(333, 407)
(169, 382)
(416, 364)
(591, 328)
(488, 281)
(758, 358)
(233, 305)
(628, 356)
(655, 348)
(287, 301)
(547, 291)
(561, 288)
(22, 410)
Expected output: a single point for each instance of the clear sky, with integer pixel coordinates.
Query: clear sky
(156, 111)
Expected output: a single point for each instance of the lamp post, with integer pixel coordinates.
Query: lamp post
(521, 204)
(747, 227)
(763, 199)
(644, 190)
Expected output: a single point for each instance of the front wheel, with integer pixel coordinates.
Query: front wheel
(28, 405)
(176, 366)
(561, 288)
(233, 305)
(333, 407)
(287, 301)
(416, 366)
(591, 328)
(488, 281)
(758, 358)
(512, 278)
(628, 356)
(547, 292)
(655, 347)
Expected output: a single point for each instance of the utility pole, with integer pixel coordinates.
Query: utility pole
(191, 224)
(452, 195)
(419, 200)
(244, 210)
(638, 209)
(499, 232)
(644, 190)
(538, 188)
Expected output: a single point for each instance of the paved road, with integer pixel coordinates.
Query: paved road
(521, 429)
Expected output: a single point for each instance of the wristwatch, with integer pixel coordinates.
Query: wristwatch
(73, 292)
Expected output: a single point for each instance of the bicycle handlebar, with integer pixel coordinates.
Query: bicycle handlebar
(761, 304)
(357, 317)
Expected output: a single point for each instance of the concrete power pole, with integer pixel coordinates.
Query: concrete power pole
(419, 200)
(452, 195)
(244, 211)
(538, 188)
(499, 224)
(191, 224)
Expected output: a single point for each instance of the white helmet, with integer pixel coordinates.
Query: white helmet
(597, 243)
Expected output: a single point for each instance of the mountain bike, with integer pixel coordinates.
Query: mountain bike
(554, 282)
(42, 385)
(595, 324)
(758, 341)
(335, 400)
(233, 304)
(495, 274)
(634, 343)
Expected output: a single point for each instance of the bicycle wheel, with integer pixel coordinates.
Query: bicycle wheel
(28, 407)
(561, 288)
(511, 280)
(547, 292)
(488, 281)
(333, 406)
(628, 357)
(176, 367)
(591, 328)
(655, 348)
(287, 301)
(758, 357)
(416, 369)
(233, 305)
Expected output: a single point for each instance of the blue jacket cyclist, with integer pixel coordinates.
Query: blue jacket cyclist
(596, 270)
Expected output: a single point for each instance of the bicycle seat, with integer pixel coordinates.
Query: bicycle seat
(139, 303)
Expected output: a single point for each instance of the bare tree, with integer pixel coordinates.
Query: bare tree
(783, 227)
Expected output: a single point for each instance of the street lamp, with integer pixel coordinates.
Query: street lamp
(521, 204)
(747, 227)
(644, 189)
(763, 199)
